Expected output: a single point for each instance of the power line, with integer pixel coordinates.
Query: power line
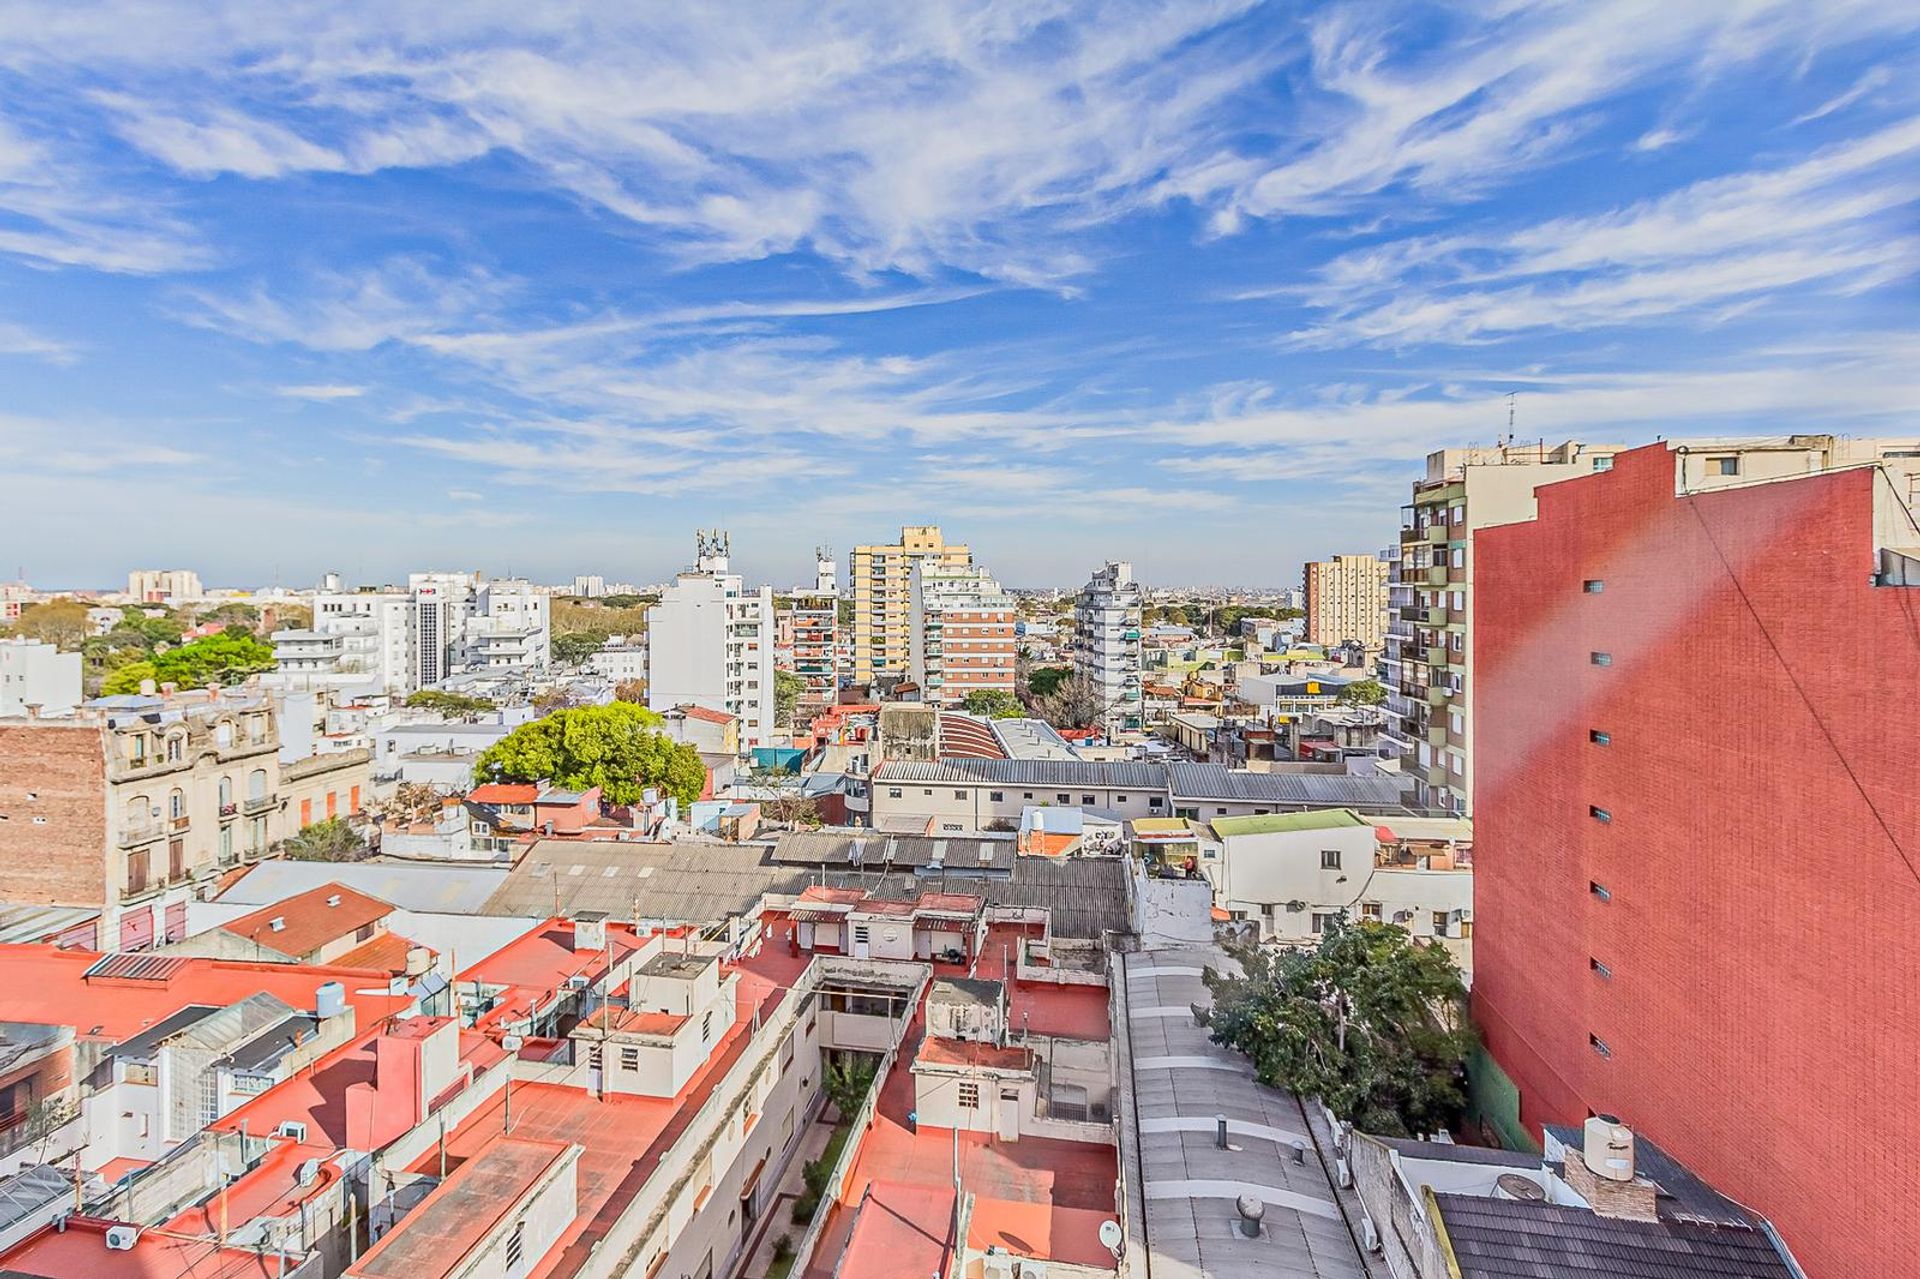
(1786, 667)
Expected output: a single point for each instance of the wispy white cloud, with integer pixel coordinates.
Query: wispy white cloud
(320, 391)
(17, 339)
(1875, 79)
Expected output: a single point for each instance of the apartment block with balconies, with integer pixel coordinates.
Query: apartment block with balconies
(880, 582)
(1106, 643)
(960, 633)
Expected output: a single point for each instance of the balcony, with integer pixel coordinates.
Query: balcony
(258, 804)
(134, 834)
(1438, 695)
(1436, 735)
(1436, 655)
(1436, 575)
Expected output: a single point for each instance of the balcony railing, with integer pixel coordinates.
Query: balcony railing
(258, 804)
(141, 832)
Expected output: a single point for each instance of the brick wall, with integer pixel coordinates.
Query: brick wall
(62, 860)
(1759, 1018)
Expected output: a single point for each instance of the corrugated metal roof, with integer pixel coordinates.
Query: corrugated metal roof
(1513, 1239)
(1367, 792)
(1116, 774)
(135, 966)
(846, 849)
(451, 889)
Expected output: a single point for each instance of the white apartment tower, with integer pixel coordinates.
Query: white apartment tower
(1106, 650)
(164, 585)
(959, 632)
(710, 643)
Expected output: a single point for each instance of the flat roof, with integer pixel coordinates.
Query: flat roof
(80, 1252)
(434, 1239)
(1280, 823)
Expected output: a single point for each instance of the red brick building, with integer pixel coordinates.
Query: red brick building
(1697, 830)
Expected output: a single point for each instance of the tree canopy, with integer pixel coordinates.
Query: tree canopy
(994, 703)
(433, 699)
(576, 647)
(1370, 1021)
(787, 687)
(1363, 692)
(62, 623)
(329, 840)
(615, 747)
(227, 657)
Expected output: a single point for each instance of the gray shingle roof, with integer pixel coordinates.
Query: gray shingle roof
(1368, 792)
(1120, 774)
(835, 850)
(1512, 1239)
(449, 889)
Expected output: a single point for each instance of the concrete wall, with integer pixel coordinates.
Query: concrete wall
(966, 806)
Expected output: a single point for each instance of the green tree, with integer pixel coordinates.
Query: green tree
(1371, 1021)
(631, 690)
(330, 840)
(224, 658)
(577, 647)
(1363, 692)
(787, 688)
(615, 747)
(843, 612)
(848, 1081)
(433, 699)
(1046, 680)
(62, 623)
(232, 615)
(993, 703)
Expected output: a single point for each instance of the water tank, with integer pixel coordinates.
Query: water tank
(1608, 1148)
(419, 959)
(330, 1000)
(1511, 1185)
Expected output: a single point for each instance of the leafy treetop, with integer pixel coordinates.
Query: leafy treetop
(994, 703)
(615, 747)
(434, 699)
(227, 657)
(1363, 692)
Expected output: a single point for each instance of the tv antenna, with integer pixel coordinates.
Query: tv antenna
(1510, 406)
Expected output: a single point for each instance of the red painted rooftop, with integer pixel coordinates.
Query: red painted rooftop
(434, 1239)
(900, 1230)
(936, 1051)
(504, 793)
(49, 987)
(311, 919)
(81, 1252)
(386, 953)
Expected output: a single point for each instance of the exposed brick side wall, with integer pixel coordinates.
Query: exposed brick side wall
(63, 861)
(1762, 1015)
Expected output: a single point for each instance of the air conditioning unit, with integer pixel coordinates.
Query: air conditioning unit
(576, 982)
(122, 1238)
(1343, 1173)
(1369, 1234)
(1002, 1265)
(291, 1128)
(511, 1043)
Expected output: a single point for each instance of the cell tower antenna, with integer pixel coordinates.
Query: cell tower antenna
(1510, 405)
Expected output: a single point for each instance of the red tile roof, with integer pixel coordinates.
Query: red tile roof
(703, 713)
(504, 793)
(386, 953)
(310, 920)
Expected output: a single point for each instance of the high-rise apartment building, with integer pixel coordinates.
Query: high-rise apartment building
(960, 632)
(1106, 642)
(880, 580)
(812, 634)
(443, 624)
(1696, 831)
(164, 585)
(1429, 656)
(1346, 599)
(710, 644)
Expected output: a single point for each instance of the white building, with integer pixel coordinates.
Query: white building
(710, 643)
(1106, 651)
(164, 585)
(442, 624)
(622, 658)
(959, 632)
(37, 674)
(589, 586)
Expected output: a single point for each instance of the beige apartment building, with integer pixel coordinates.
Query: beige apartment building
(135, 806)
(960, 633)
(1347, 600)
(881, 587)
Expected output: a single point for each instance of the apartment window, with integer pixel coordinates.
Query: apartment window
(516, 1246)
(1439, 923)
(1329, 859)
(1598, 814)
(1600, 659)
(1600, 969)
(1153, 801)
(927, 791)
(1088, 800)
(1322, 922)
(1026, 794)
(1063, 799)
(996, 796)
(969, 1096)
(1599, 738)
(1599, 1045)
(959, 794)
(1593, 585)
(893, 792)
(1370, 910)
(1599, 890)
(1603, 463)
(1119, 799)
(1724, 465)
(629, 1058)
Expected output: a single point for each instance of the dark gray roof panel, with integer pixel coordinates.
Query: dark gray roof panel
(1512, 1239)
(1368, 792)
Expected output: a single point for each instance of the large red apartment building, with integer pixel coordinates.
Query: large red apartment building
(1698, 826)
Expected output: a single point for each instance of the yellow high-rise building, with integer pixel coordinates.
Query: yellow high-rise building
(880, 582)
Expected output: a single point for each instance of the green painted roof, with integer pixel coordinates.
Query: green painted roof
(1274, 823)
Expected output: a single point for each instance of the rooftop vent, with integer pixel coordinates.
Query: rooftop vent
(333, 900)
(277, 923)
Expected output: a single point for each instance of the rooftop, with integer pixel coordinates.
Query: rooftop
(1495, 1238)
(80, 1252)
(308, 921)
(1280, 823)
(435, 1238)
(439, 889)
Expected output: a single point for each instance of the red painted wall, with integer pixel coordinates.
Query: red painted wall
(1763, 1009)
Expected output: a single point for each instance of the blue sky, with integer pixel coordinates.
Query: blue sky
(542, 289)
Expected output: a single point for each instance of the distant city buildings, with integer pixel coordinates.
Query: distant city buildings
(164, 586)
(710, 644)
(1106, 643)
(1429, 658)
(959, 632)
(1695, 675)
(442, 625)
(1346, 599)
(15, 596)
(592, 587)
(880, 580)
(813, 636)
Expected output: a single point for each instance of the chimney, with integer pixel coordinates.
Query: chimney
(1601, 1172)
(148, 688)
(590, 931)
(169, 688)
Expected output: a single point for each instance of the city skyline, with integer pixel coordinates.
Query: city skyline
(1194, 289)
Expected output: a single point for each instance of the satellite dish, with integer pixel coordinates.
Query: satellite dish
(1110, 1236)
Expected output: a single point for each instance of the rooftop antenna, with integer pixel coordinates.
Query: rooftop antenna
(1510, 407)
